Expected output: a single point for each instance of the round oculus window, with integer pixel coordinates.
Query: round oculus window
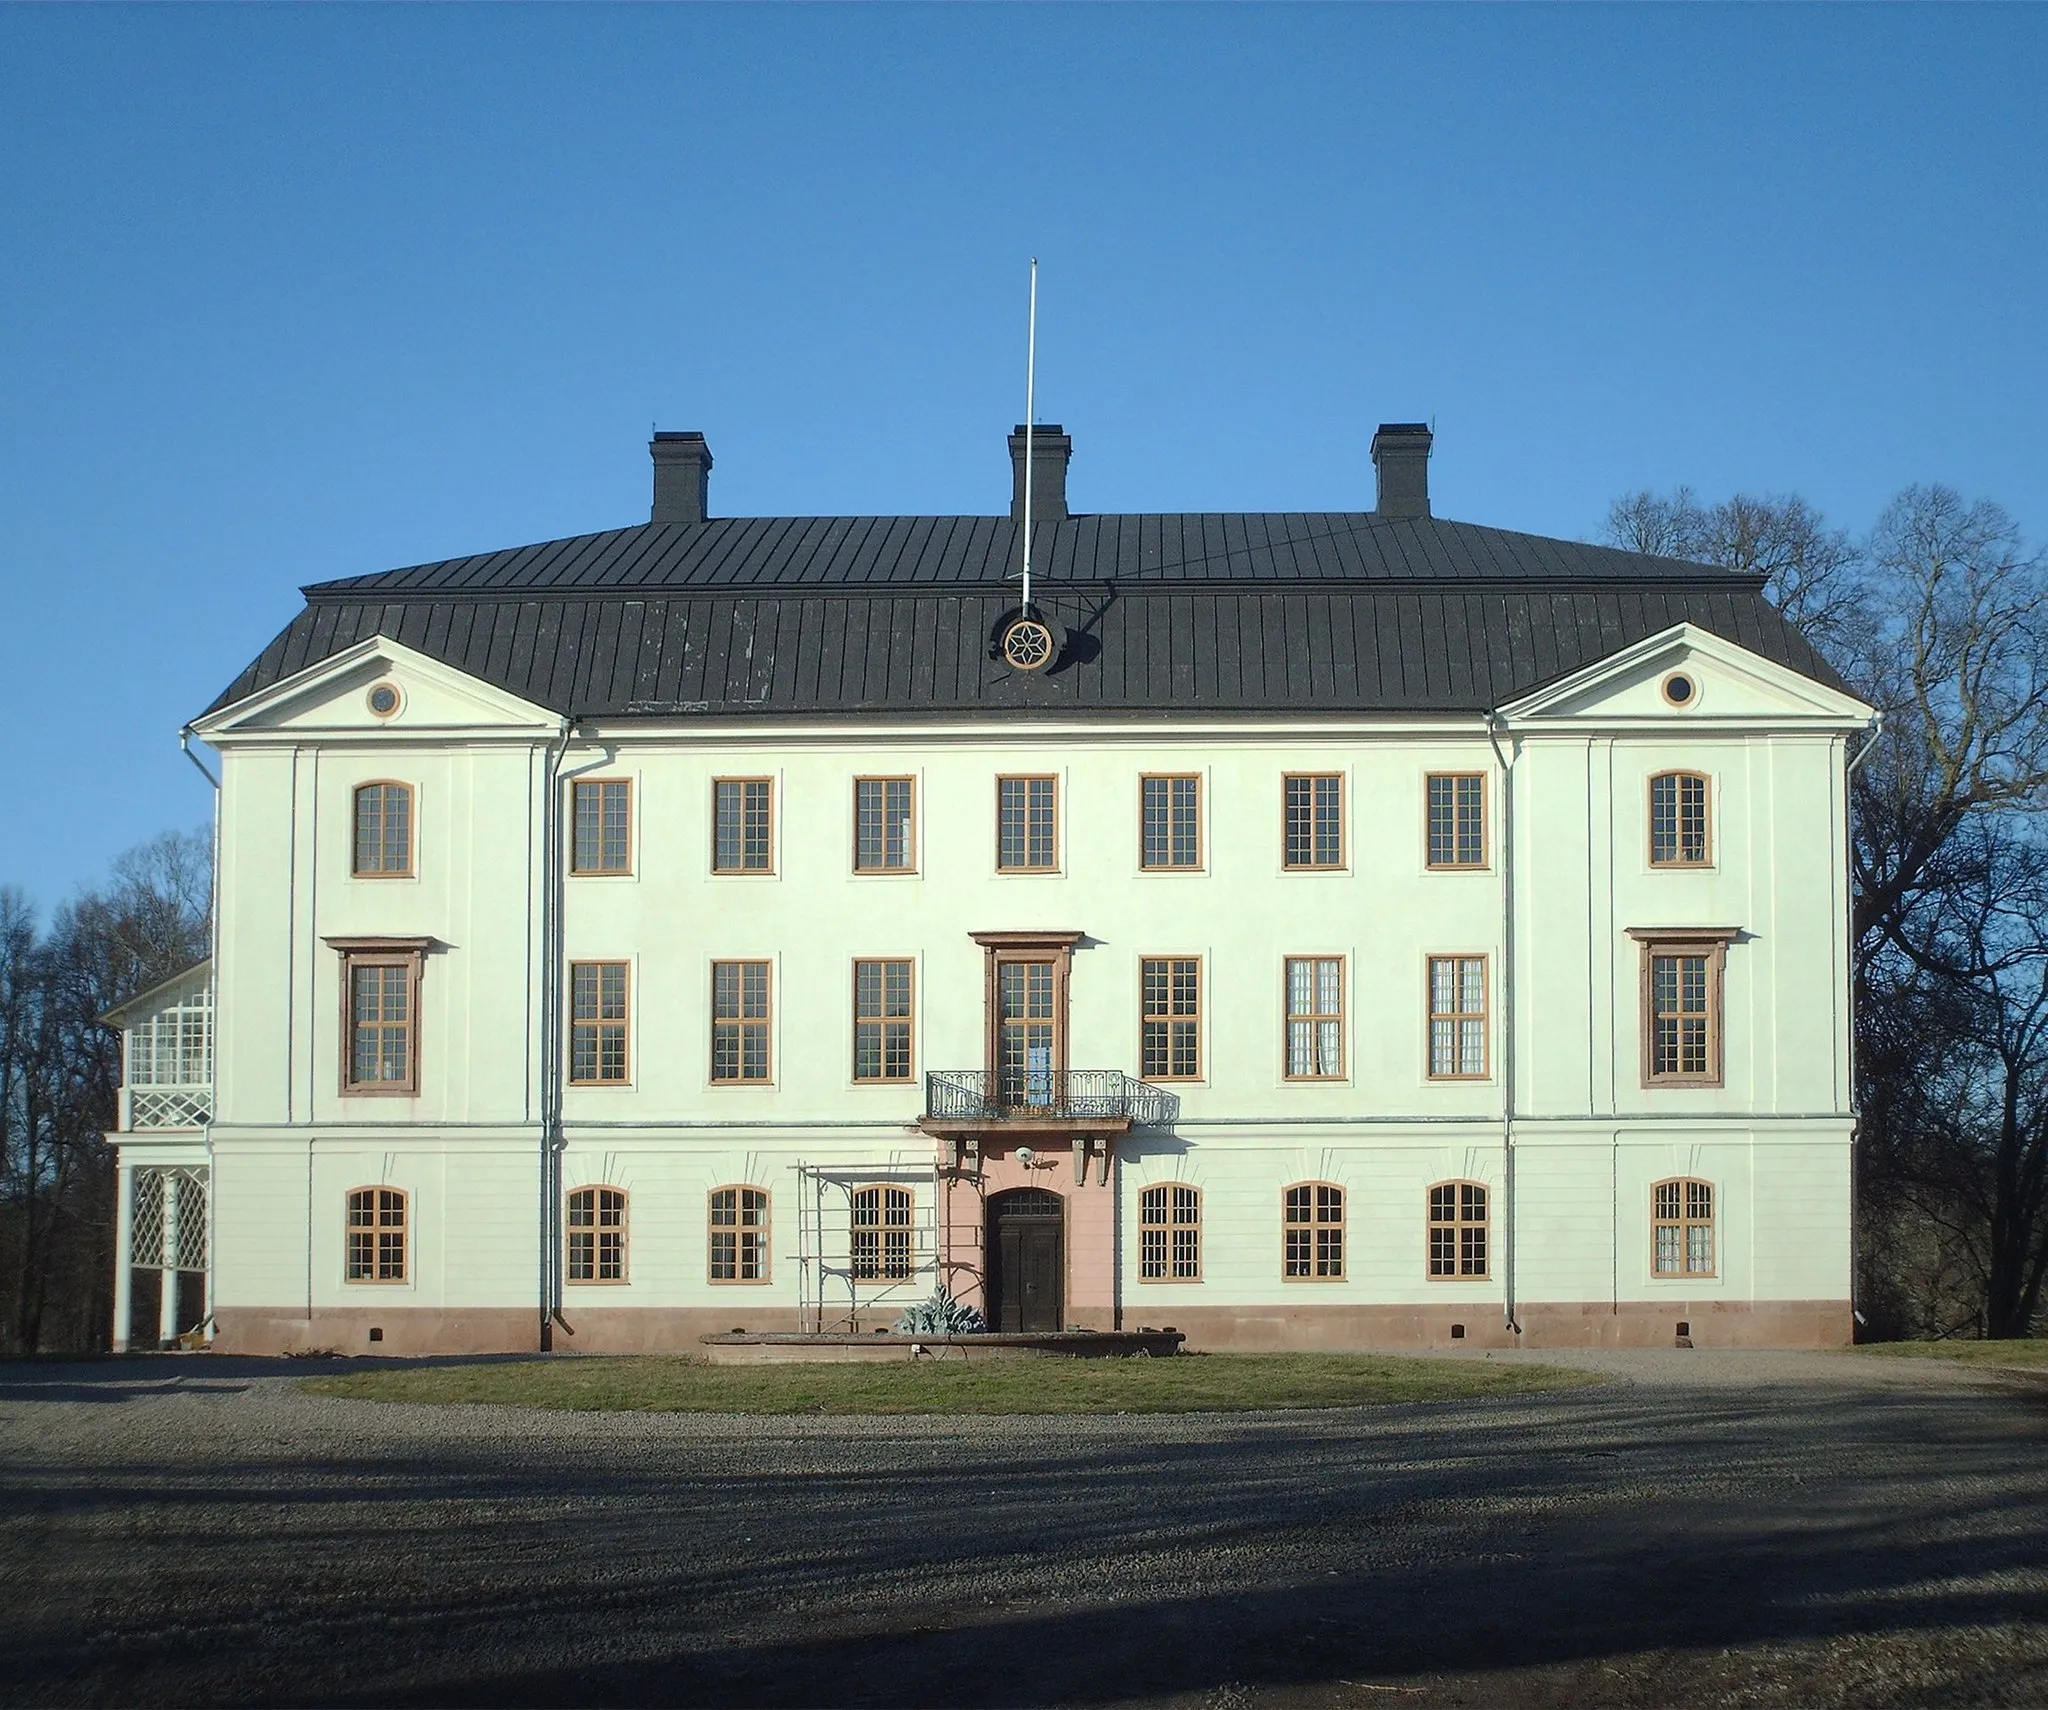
(1027, 645)
(1680, 690)
(385, 700)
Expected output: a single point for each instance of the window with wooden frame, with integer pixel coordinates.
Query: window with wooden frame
(739, 1235)
(1170, 1024)
(599, 1021)
(1683, 977)
(383, 831)
(1678, 821)
(1170, 822)
(884, 1002)
(881, 1234)
(1682, 1218)
(884, 825)
(1315, 1018)
(741, 1014)
(1170, 1233)
(1027, 825)
(1314, 1233)
(380, 1035)
(601, 825)
(595, 1235)
(378, 1223)
(743, 825)
(1457, 819)
(1457, 1018)
(1314, 820)
(1457, 1231)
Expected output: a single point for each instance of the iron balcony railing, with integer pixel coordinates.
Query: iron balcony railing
(1098, 1095)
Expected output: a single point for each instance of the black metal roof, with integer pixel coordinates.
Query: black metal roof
(1253, 612)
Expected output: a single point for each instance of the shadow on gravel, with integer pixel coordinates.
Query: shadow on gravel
(1005, 1562)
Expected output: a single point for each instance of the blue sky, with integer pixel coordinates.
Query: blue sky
(295, 293)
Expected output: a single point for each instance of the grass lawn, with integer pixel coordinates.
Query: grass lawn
(1195, 1383)
(2029, 1354)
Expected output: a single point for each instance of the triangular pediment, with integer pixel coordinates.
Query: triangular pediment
(1688, 673)
(378, 687)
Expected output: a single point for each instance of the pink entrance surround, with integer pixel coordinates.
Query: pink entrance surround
(1089, 1243)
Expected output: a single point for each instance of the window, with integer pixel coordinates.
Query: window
(739, 1235)
(1457, 1018)
(884, 825)
(881, 1234)
(1457, 1230)
(597, 1023)
(1027, 825)
(739, 1021)
(1683, 1220)
(1170, 1029)
(1682, 980)
(1315, 1018)
(1315, 819)
(597, 1235)
(1315, 1232)
(380, 1015)
(1170, 1234)
(601, 811)
(1678, 820)
(743, 825)
(1170, 809)
(1457, 819)
(376, 1234)
(383, 831)
(883, 1006)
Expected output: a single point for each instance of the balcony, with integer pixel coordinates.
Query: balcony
(1091, 1101)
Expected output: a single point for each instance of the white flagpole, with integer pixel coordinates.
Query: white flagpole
(1030, 422)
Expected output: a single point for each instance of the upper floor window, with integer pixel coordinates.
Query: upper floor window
(1315, 819)
(1170, 813)
(740, 1019)
(883, 1004)
(1678, 820)
(597, 1235)
(1457, 1230)
(881, 1234)
(601, 812)
(1457, 1018)
(1170, 1025)
(743, 825)
(1314, 1232)
(380, 1040)
(1027, 825)
(1315, 1018)
(377, 1228)
(599, 1016)
(739, 1234)
(1683, 1222)
(1457, 819)
(383, 840)
(884, 825)
(1170, 1233)
(1682, 1006)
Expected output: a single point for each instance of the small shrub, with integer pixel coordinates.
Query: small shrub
(942, 1315)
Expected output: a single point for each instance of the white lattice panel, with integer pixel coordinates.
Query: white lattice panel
(170, 1201)
(169, 1107)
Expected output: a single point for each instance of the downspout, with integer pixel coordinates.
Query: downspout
(1876, 729)
(551, 1041)
(1495, 725)
(213, 1011)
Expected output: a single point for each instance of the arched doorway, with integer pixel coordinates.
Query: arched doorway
(1027, 1261)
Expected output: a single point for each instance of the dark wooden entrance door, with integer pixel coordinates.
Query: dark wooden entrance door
(1026, 1260)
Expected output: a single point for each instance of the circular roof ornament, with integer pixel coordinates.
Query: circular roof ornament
(385, 700)
(1680, 690)
(1027, 645)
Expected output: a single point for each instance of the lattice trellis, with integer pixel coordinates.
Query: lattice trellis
(169, 1202)
(169, 1107)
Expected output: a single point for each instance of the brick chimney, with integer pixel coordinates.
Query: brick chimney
(682, 477)
(1400, 452)
(1050, 449)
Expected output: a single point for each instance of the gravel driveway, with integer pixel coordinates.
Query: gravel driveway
(1709, 1527)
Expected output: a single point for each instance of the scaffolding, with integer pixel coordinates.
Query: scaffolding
(904, 1261)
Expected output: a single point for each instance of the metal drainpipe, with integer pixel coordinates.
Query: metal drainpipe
(1494, 726)
(551, 1044)
(1876, 728)
(213, 1021)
